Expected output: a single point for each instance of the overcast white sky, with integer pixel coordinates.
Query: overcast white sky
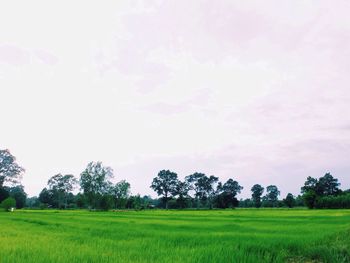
(253, 90)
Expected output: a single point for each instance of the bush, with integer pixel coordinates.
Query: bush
(4, 193)
(330, 202)
(8, 203)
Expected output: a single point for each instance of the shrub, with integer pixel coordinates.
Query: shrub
(8, 203)
(340, 201)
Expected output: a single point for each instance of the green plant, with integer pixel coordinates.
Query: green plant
(8, 203)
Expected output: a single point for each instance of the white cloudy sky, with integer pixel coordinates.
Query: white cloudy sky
(254, 90)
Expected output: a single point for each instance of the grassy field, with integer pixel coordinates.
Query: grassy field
(176, 236)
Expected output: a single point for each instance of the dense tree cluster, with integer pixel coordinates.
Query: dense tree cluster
(11, 191)
(196, 190)
(324, 192)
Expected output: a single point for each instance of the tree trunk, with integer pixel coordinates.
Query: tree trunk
(166, 200)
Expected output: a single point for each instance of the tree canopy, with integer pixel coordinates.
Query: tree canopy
(62, 185)
(94, 181)
(314, 189)
(165, 185)
(10, 171)
(257, 191)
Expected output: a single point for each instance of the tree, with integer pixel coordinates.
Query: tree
(10, 171)
(310, 198)
(194, 185)
(314, 189)
(8, 203)
(228, 192)
(165, 184)
(310, 184)
(257, 191)
(232, 187)
(310, 191)
(94, 181)
(17, 192)
(32, 202)
(134, 202)
(207, 188)
(63, 185)
(328, 185)
(272, 194)
(203, 187)
(106, 202)
(48, 197)
(80, 200)
(289, 200)
(120, 193)
(182, 189)
(4, 193)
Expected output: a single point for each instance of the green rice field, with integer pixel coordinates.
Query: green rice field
(240, 235)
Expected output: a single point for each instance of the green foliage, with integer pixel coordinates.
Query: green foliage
(289, 201)
(106, 202)
(4, 193)
(33, 202)
(49, 198)
(310, 198)
(120, 194)
(62, 185)
(332, 202)
(165, 185)
(271, 197)
(227, 194)
(315, 189)
(257, 191)
(94, 181)
(182, 190)
(246, 203)
(8, 203)
(10, 171)
(17, 192)
(204, 187)
(80, 200)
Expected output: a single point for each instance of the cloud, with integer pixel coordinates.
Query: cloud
(253, 90)
(46, 57)
(17, 56)
(13, 55)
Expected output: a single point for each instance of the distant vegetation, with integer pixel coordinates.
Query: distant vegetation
(197, 190)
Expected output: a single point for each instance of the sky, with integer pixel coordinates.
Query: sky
(257, 91)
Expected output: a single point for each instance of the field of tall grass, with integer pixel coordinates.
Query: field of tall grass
(241, 235)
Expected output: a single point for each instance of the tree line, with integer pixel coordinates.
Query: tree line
(198, 190)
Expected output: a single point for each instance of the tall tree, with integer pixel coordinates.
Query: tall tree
(165, 185)
(257, 191)
(272, 194)
(289, 200)
(328, 185)
(310, 191)
(49, 197)
(10, 171)
(17, 192)
(94, 181)
(314, 189)
(194, 185)
(204, 187)
(182, 189)
(120, 193)
(208, 188)
(63, 185)
(310, 184)
(4, 193)
(228, 192)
